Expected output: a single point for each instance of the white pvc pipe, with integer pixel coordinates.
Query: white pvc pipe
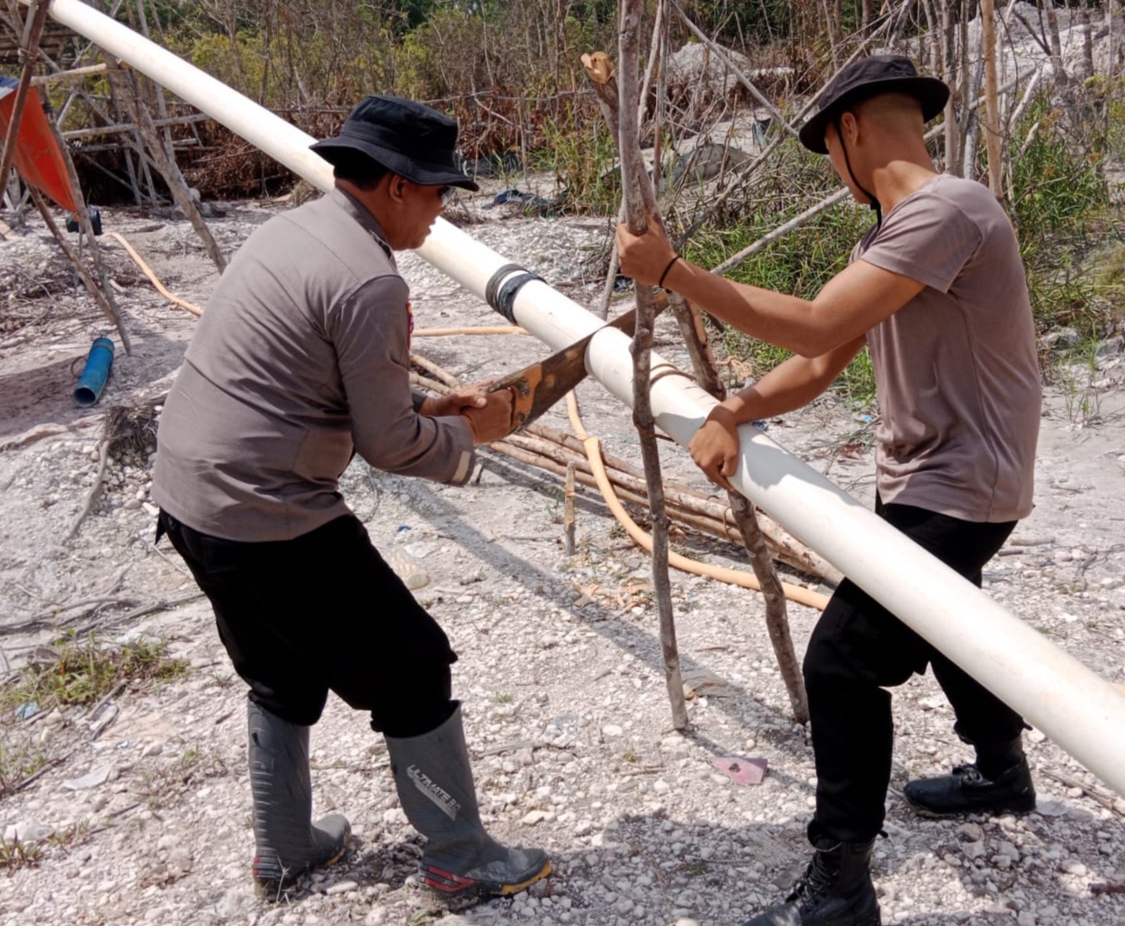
(1082, 713)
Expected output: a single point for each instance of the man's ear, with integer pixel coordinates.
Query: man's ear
(396, 187)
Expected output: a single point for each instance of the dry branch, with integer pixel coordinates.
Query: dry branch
(92, 288)
(718, 52)
(640, 200)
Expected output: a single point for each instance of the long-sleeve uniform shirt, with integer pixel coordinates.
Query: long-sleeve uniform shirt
(301, 359)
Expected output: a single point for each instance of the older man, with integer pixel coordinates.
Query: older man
(937, 292)
(301, 360)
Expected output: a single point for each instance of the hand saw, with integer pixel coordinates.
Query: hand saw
(537, 387)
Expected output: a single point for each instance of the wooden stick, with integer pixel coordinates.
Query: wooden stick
(730, 65)
(73, 74)
(152, 277)
(124, 127)
(568, 510)
(166, 164)
(991, 109)
(87, 229)
(470, 330)
(827, 203)
(34, 30)
(777, 615)
(79, 267)
(641, 200)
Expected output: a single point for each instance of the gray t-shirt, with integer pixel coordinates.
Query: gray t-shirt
(955, 368)
(301, 358)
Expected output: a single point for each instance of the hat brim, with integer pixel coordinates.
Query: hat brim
(929, 91)
(415, 171)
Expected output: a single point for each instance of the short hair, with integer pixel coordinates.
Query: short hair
(888, 106)
(358, 168)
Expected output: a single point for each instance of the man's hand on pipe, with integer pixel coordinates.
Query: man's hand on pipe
(492, 420)
(644, 257)
(715, 447)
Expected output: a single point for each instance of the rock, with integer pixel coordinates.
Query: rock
(612, 731)
(341, 887)
(1008, 850)
(973, 850)
(27, 832)
(91, 779)
(235, 903)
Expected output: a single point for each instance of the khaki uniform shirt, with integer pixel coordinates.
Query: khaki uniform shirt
(301, 359)
(955, 368)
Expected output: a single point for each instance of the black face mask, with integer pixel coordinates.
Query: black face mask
(848, 164)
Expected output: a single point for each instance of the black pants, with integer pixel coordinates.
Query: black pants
(320, 613)
(858, 649)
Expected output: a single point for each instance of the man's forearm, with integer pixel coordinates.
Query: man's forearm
(790, 385)
(786, 321)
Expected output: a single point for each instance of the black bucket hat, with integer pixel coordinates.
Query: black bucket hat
(406, 137)
(866, 78)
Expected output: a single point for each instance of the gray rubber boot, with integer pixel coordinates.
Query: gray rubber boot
(287, 842)
(461, 863)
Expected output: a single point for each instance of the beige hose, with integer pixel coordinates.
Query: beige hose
(147, 271)
(795, 593)
(473, 329)
(196, 310)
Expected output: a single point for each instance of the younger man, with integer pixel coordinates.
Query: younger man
(937, 292)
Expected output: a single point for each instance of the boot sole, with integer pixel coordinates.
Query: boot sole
(480, 891)
(271, 889)
(996, 811)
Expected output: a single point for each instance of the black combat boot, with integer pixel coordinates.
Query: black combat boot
(998, 782)
(287, 842)
(835, 890)
(461, 863)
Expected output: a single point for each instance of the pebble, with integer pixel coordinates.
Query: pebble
(341, 887)
(27, 831)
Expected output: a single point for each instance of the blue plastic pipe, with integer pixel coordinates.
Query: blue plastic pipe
(94, 375)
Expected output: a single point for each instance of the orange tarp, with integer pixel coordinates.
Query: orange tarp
(37, 156)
